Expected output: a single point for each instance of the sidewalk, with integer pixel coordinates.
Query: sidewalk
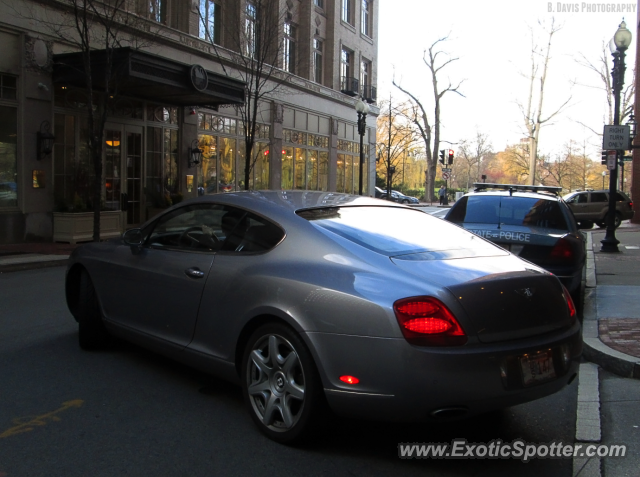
(611, 330)
(26, 256)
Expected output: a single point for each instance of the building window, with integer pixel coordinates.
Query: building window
(289, 48)
(365, 77)
(366, 18)
(8, 156)
(251, 16)
(8, 87)
(347, 11)
(158, 10)
(317, 60)
(209, 21)
(346, 58)
(319, 3)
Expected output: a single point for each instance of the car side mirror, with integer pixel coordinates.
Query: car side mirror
(133, 238)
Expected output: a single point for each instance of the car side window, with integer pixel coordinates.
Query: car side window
(581, 198)
(245, 232)
(598, 197)
(193, 228)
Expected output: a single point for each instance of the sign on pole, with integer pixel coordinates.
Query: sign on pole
(611, 160)
(615, 137)
(446, 175)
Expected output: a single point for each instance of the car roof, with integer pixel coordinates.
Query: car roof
(518, 190)
(281, 205)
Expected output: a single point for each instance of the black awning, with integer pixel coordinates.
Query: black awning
(146, 76)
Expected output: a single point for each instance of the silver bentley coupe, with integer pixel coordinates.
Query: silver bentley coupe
(318, 300)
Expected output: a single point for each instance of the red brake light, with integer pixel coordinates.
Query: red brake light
(426, 321)
(562, 250)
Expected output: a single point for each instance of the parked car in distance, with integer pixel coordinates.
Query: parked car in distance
(310, 298)
(592, 206)
(396, 196)
(532, 222)
(404, 199)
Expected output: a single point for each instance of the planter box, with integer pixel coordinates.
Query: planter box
(78, 227)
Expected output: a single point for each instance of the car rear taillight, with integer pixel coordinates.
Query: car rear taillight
(563, 250)
(426, 321)
(631, 204)
(572, 307)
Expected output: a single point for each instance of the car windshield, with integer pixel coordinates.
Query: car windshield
(525, 211)
(393, 231)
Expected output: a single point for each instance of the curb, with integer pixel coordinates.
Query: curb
(18, 267)
(595, 350)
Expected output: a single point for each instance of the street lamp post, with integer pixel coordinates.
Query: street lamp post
(619, 44)
(362, 108)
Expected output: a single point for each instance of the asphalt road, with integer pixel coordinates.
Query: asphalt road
(128, 412)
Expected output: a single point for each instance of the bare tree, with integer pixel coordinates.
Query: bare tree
(471, 156)
(602, 68)
(532, 113)
(395, 137)
(94, 27)
(263, 57)
(429, 130)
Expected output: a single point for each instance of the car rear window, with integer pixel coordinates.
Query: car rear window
(525, 211)
(397, 231)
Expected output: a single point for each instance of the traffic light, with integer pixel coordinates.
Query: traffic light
(442, 157)
(603, 159)
(450, 157)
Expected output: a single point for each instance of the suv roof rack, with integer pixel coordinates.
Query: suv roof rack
(481, 186)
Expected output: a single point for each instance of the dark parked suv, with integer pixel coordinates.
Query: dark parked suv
(591, 207)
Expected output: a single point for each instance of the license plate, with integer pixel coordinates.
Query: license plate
(537, 368)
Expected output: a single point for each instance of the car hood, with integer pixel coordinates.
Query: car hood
(504, 297)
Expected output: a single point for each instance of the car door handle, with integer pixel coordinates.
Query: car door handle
(194, 272)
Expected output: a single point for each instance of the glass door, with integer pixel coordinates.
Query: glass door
(123, 171)
(133, 175)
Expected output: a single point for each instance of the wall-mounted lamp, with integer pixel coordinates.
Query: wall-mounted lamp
(195, 154)
(193, 110)
(45, 140)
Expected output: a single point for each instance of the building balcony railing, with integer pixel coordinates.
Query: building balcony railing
(349, 86)
(369, 93)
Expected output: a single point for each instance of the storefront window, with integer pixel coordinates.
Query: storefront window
(312, 170)
(323, 172)
(8, 155)
(340, 173)
(208, 173)
(227, 150)
(300, 169)
(287, 168)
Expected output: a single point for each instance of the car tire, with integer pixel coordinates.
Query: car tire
(405, 201)
(616, 222)
(281, 386)
(92, 333)
(586, 224)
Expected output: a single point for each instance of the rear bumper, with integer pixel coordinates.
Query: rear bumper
(401, 382)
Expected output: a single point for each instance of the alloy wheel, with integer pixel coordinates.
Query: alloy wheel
(275, 383)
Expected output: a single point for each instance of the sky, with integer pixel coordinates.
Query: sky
(492, 41)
